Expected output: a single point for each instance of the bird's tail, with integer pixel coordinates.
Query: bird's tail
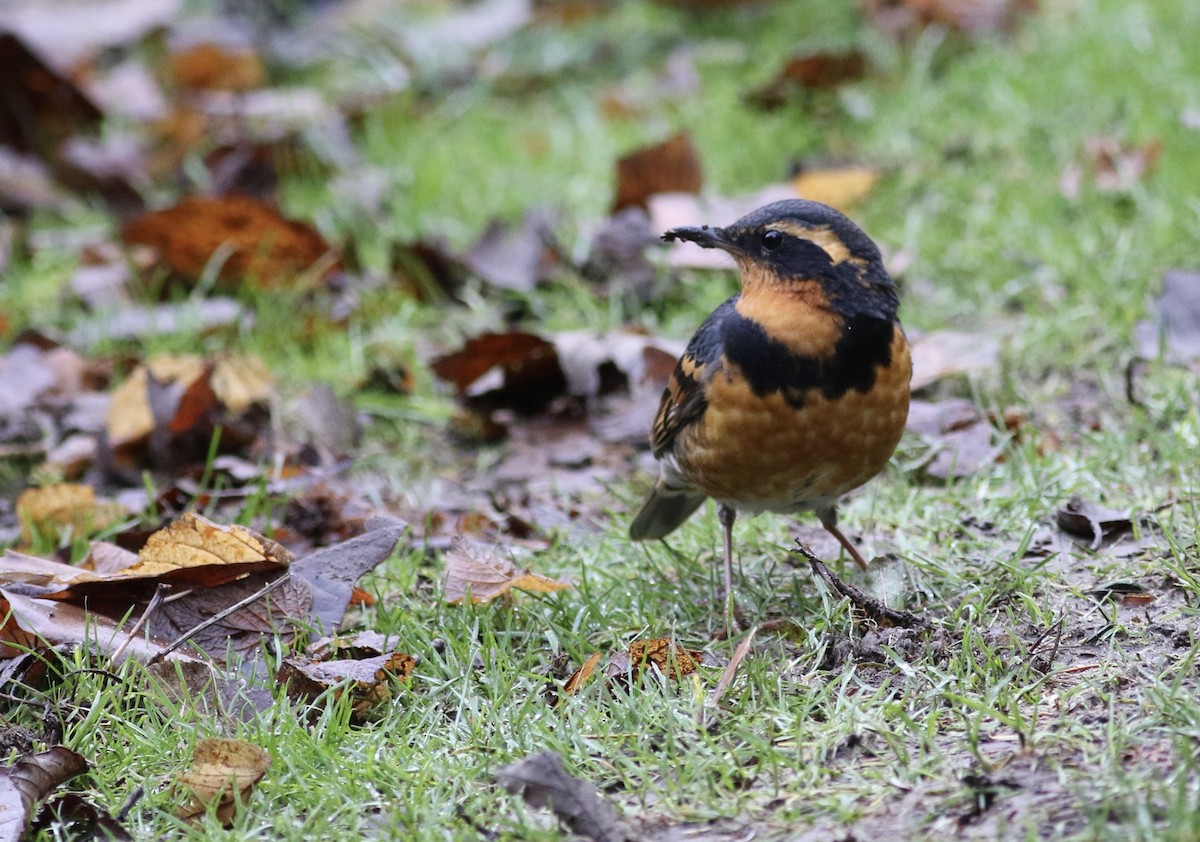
(664, 509)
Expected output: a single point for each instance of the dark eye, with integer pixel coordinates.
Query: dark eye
(772, 240)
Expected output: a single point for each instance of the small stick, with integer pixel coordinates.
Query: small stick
(151, 607)
(219, 616)
(872, 607)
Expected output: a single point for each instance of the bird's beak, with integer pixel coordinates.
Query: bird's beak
(704, 236)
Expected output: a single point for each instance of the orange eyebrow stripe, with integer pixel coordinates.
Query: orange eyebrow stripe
(830, 242)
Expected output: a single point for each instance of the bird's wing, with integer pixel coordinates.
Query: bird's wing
(683, 401)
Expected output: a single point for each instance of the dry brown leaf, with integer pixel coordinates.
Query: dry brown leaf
(214, 67)
(514, 369)
(1114, 165)
(41, 108)
(169, 407)
(368, 680)
(483, 572)
(665, 655)
(945, 353)
(251, 238)
(672, 166)
(840, 188)
(53, 508)
(15, 640)
(811, 72)
(197, 551)
(542, 781)
(28, 781)
(222, 774)
(580, 676)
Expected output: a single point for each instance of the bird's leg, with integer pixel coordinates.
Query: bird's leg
(727, 515)
(829, 521)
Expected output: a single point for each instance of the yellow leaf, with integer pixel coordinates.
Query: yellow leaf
(222, 771)
(839, 188)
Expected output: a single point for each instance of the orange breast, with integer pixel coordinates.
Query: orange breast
(760, 453)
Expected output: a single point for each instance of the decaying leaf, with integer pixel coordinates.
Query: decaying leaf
(41, 108)
(276, 614)
(369, 680)
(51, 509)
(515, 257)
(521, 367)
(945, 353)
(482, 572)
(73, 816)
(580, 676)
(217, 67)
(672, 166)
(1174, 326)
(221, 776)
(962, 437)
(543, 782)
(28, 781)
(1092, 521)
(248, 239)
(15, 640)
(167, 410)
(660, 654)
(810, 72)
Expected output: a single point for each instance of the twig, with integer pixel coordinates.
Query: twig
(872, 607)
(706, 713)
(219, 616)
(151, 607)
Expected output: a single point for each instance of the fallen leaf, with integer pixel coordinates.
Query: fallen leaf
(1173, 329)
(211, 66)
(1092, 521)
(840, 188)
(811, 72)
(961, 437)
(580, 676)
(946, 353)
(168, 409)
(514, 369)
(41, 108)
(15, 640)
(278, 614)
(515, 257)
(368, 680)
(250, 240)
(1114, 166)
(482, 572)
(52, 509)
(672, 166)
(30, 780)
(75, 817)
(617, 254)
(664, 655)
(222, 774)
(332, 572)
(197, 552)
(541, 780)
(26, 186)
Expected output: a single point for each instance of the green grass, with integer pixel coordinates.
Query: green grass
(826, 727)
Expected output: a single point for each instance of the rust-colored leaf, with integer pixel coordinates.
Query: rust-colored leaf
(810, 72)
(41, 108)
(369, 680)
(252, 240)
(15, 640)
(514, 369)
(483, 572)
(580, 676)
(221, 775)
(669, 167)
(215, 67)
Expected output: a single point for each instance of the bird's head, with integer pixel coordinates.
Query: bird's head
(794, 244)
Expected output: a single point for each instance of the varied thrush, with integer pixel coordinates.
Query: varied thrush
(794, 391)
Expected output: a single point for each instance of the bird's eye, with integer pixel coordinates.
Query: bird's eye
(772, 240)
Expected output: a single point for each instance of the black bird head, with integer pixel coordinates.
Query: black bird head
(796, 241)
